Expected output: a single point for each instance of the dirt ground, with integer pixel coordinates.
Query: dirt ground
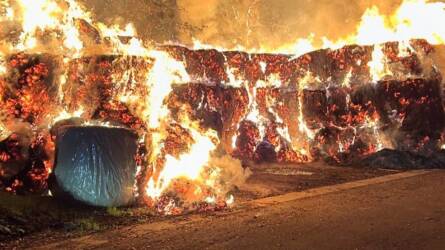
(401, 211)
(275, 179)
(26, 220)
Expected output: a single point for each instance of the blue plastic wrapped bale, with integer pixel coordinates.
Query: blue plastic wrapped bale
(96, 165)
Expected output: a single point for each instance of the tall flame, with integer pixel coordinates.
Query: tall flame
(189, 165)
(414, 19)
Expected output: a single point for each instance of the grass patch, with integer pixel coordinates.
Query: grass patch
(88, 224)
(115, 212)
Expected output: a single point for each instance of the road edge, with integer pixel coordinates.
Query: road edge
(334, 188)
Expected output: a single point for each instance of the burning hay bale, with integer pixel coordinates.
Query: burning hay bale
(29, 87)
(416, 109)
(324, 104)
(13, 157)
(95, 165)
(327, 104)
(24, 161)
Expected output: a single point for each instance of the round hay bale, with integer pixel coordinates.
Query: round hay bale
(95, 165)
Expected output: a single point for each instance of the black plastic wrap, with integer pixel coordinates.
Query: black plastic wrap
(96, 165)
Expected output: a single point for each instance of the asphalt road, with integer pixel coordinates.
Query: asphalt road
(403, 211)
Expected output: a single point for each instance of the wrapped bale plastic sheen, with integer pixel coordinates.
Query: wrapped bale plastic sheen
(95, 165)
